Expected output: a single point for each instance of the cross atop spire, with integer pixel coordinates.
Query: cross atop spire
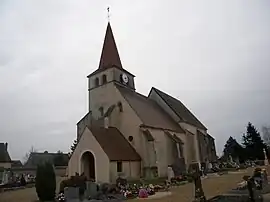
(109, 55)
(108, 9)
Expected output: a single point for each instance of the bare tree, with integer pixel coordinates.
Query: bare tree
(266, 135)
(27, 155)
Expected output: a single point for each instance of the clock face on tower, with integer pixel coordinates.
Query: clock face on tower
(124, 78)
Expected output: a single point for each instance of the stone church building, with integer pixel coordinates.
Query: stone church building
(127, 133)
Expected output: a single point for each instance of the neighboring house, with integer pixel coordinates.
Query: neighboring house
(5, 160)
(57, 159)
(16, 164)
(126, 133)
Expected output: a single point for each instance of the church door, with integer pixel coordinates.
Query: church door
(88, 165)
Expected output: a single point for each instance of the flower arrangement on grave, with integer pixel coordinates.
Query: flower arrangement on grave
(128, 191)
(150, 189)
(45, 182)
(178, 180)
(158, 187)
(242, 185)
(61, 197)
(133, 190)
(258, 178)
(143, 193)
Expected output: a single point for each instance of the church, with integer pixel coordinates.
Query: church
(129, 134)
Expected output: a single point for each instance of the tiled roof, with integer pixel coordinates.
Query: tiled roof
(114, 144)
(180, 109)
(150, 113)
(4, 155)
(16, 163)
(36, 158)
(109, 56)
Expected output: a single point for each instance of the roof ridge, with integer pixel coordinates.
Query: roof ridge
(173, 124)
(101, 134)
(163, 94)
(132, 91)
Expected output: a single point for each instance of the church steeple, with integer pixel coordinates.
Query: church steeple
(110, 69)
(109, 55)
(110, 72)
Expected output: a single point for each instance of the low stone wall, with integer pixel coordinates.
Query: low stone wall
(59, 170)
(16, 188)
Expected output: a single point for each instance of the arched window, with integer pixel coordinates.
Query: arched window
(101, 110)
(104, 79)
(120, 106)
(96, 82)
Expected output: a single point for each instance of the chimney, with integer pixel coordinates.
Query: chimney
(6, 146)
(106, 122)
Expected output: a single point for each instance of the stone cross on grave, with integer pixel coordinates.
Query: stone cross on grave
(199, 193)
(265, 158)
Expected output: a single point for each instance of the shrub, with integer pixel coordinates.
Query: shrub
(45, 182)
(73, 181)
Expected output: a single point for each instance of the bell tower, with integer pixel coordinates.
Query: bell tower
(110, 72)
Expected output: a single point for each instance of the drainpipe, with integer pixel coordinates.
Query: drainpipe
(130, 169)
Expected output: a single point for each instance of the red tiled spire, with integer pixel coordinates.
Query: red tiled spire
(109, 55)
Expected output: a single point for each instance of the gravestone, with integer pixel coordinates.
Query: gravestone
(5, 177)
(104, 188)
(179, 166)
(265, 177)
(265, 158)
(196, 175)
(230, 159)
(199, 193)
(71, 193)
(170, 173)
(91, 189)
(210, 166)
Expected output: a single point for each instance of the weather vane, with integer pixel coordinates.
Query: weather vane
(108, 9)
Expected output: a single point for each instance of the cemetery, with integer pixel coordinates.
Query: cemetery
(131, 146)
(10, 180)
(77, 188)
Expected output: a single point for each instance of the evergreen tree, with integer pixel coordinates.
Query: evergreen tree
(45, 182)
(234, 149)
(253, 143)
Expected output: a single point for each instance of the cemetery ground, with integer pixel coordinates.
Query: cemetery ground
(213, 185)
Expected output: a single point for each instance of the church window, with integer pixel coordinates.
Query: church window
(130, 138)
(101, 110)
(120, 106)
(104, 79)
(96, 82)
(119, 166)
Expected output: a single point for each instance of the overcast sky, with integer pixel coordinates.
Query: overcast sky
(212, 55)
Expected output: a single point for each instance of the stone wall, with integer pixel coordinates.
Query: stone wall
(59, 170)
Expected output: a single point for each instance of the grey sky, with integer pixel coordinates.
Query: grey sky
(212, 55)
